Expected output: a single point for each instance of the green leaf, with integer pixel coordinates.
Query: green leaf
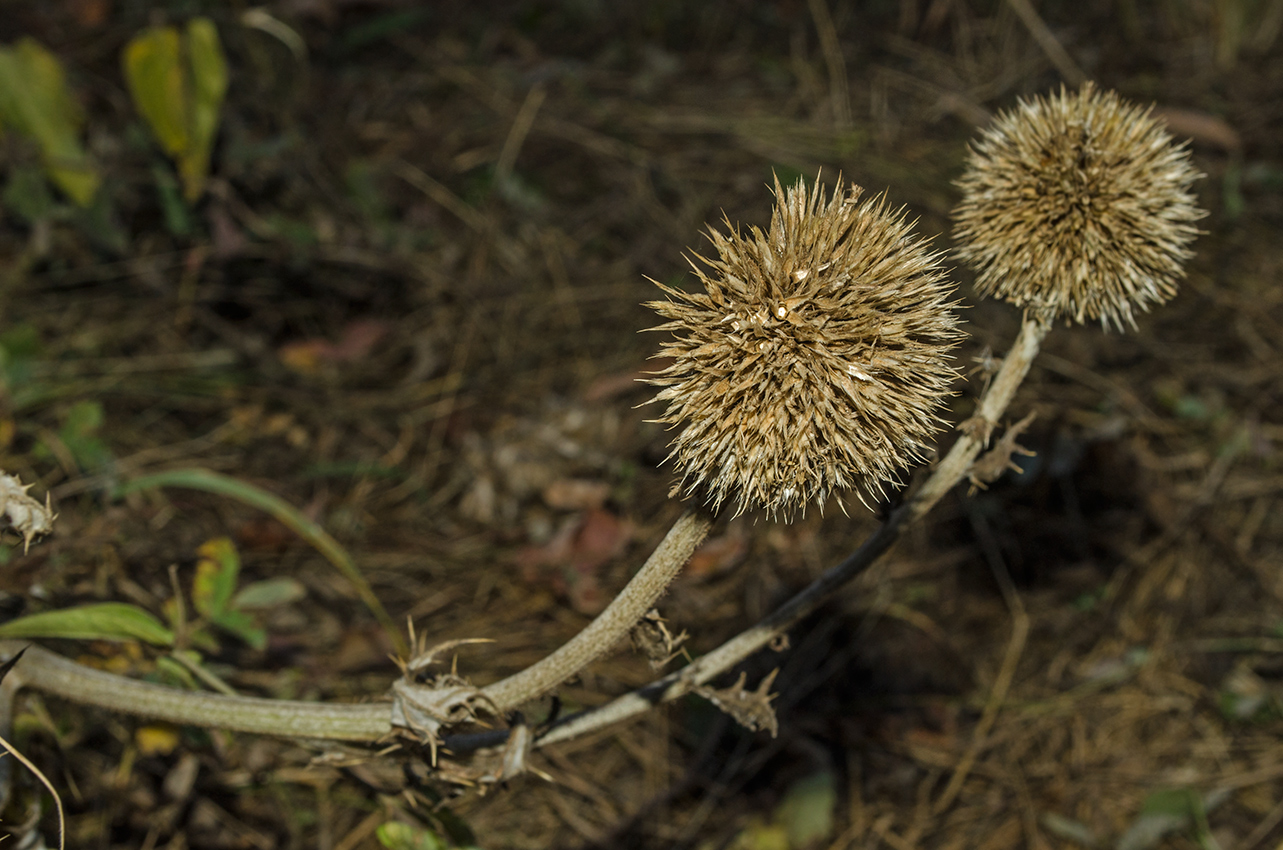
(395, 835)
(101, 223)
(209, 85)
(243, 626)
(270, 593)
(286, 514)
(172, 206)
(101, 621)
(1169, 810)
(171, 673)
(19, 348)
(79, 435)
(153, 70)
(759, 835)
(216, 574)
(178, 83)
(27, 194)
(35, 101)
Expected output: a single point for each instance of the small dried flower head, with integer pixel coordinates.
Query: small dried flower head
(1080, 204)
(816, 359)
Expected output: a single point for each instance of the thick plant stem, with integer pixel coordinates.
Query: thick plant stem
(611, 625)
(947, 474)
(51, 673)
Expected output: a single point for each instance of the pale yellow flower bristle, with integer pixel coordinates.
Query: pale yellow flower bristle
(816, 359)
(1078, 203)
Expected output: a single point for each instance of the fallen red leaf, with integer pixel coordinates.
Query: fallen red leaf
(572, 560)
(576, 494)
(359, 337)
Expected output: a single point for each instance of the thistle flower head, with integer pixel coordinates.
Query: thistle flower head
(1078, 203)
(815, 360)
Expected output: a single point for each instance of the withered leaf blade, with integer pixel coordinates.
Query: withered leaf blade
(751, 709)
(994, 463)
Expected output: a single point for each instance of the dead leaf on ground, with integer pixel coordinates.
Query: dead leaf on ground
(718, 554)
(307, 357)
(576, 494)
(572, 560)
(1200, 126)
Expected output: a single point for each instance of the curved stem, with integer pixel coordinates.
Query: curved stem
(947, 473)
(611, 625)
(46, 671)
(51, 673)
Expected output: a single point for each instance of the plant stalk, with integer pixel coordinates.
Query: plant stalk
(611, 625)
(51, 673)
(1015, 366)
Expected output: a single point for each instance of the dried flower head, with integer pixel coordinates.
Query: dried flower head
(816, 360)
(1078, 203)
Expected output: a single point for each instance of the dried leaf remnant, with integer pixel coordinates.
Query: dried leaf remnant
(751, 709)
(27, 516)
(994, 463)
(652, 637)
(425, 707)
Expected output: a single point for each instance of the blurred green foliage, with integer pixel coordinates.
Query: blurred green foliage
(178, 81)
(36, 102)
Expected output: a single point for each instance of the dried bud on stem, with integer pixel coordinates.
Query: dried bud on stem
(1078, 203)
(816, 359)
(27, 516)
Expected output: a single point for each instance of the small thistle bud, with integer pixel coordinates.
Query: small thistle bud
(1080, 204)
(816, 359)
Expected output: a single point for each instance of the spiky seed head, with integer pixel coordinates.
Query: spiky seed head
(815, 360)
(1080, 204)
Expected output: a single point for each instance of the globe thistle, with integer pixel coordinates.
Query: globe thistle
(816, 359)
(1080, 204)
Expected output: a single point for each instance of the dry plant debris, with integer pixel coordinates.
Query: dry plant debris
(994, 463)
(425, 707)
(653, 639)
(25, 515)
(751, 709)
